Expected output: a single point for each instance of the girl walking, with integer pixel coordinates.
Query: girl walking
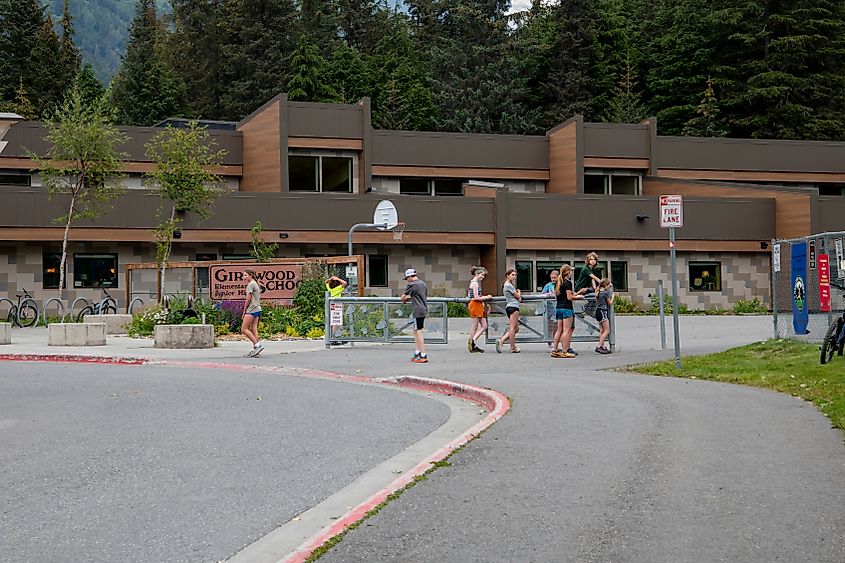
(476, 307)
(512, 299)
(564, 314)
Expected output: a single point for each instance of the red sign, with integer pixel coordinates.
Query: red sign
(824, 282)
(277, 281)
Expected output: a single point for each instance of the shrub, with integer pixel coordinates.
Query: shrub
(457, 310)
(310, 298)
(750, 306)
(624, 305)
(667, 305)
(144, 323)
(191, 321)
(315, 333)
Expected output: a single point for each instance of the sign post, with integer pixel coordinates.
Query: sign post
(671, 217)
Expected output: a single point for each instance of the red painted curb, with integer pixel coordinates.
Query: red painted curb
(494, 402)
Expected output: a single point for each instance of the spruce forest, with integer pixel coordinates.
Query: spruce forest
(737, 68)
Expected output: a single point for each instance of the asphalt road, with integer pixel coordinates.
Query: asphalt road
(119, 463)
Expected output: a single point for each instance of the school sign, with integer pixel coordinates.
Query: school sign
(277, 281)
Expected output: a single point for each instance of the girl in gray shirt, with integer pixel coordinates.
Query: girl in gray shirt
(512, 298)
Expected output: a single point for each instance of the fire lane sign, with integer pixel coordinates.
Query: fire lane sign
(671, 211)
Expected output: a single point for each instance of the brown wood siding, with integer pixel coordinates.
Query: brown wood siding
(563, 160)
(745, 176)
(618, 163)
(128, 167)
(79, 234)
(469, 173)
(262, 151)
(793, 213)
(330, 144)
(632, 245)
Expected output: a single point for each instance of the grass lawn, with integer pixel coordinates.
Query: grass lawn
(781, 365)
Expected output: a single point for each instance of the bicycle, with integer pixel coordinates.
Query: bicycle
(107, 306)
(25, 313)
(834, 339)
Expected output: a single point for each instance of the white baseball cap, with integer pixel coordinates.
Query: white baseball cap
(410, 272)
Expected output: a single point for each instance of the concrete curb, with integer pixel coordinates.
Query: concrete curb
(496, 403)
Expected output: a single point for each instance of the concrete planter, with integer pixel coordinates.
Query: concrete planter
(184, 336)
(115, 324)
(76, 334)
(5, 333)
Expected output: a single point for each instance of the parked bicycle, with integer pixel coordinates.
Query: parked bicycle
(24, 313)
(834, 339)
(106, 306)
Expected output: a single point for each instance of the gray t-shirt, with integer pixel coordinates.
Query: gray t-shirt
(418, 292)
(510, 295)
(601, 299)
(254, 293)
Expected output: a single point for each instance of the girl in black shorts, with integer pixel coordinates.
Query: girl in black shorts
(512, 299)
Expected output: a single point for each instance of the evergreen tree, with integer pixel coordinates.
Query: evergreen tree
(46, 84)
(20, 23)
(195, 52)
(707, 122)
(782, 68)
(20, 104)
(255, 66)
(307, 82)
(626, 105)
(146, 89)
(570, 85)
(318, 20)
(347, 73)
(89, 87)
(69, 57)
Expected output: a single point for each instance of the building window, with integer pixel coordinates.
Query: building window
(705, 276)
(207, 257)
(18, 180)
(428, 186)
(616, 182)
(95, 270)
(524, 275)
(544, 269)
(832, 189)
(619, 275)
(377, 274)
(595, 184)
(238, 257)
(302, 173)
(51, 262)
(336, 174)
(319, 173)
(414, 186)
(448, 187)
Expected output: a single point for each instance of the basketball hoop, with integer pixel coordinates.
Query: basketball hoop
(398, 230)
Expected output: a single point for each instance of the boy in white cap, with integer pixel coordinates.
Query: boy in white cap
(417, 292)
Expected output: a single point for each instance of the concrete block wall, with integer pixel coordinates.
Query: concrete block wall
(76, 334)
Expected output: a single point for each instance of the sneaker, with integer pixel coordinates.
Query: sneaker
(606, 351)
(477, 349)
(599, 350)
(566, 355)
(498, 346)
(470, 345)
(420, 360)
(416, 357)
(257, 350)
(573, 352)
(515, 350)
(557, 354)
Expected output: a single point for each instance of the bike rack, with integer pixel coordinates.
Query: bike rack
(132, 304)
(61, 306)
(10, 302)
(73, 306)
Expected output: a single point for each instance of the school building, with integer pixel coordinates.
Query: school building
(310, 171)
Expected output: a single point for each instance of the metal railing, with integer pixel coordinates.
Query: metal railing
(387, 319)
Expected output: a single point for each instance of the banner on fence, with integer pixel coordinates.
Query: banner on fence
(824, 283)
(800, 316)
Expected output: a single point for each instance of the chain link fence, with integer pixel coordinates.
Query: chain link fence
(797, 294)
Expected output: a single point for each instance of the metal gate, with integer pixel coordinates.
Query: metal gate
(387, 319)
(799, 299)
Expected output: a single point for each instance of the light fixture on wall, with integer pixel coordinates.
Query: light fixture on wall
(764, 245)
(177, 233)
(283, 235)
(642, 218)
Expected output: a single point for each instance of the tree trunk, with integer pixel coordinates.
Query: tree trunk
(166, 256)
(63, 261)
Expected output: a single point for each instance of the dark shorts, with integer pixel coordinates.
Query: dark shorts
(511, 310)
(256, 314)
(561, 314)
(420, 322)
(601, 315)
